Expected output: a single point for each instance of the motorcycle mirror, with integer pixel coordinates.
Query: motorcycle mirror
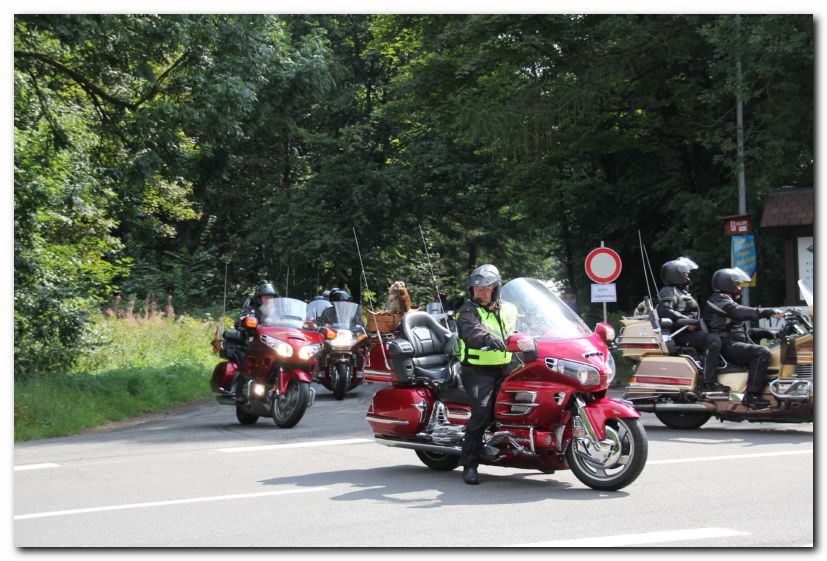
(605, 331)
(522, 343)
(250, 322)
(513, 342)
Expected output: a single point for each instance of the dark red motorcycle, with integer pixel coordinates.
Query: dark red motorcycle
(552, 411)
(269, 366)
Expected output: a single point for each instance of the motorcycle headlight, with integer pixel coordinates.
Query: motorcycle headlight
(610, 368)
(343, 340)
(282, 349)
(309, 351)
(585, 374)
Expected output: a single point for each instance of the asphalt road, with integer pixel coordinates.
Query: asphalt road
(196, 478)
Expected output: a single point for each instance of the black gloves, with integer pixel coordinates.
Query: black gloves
(494, 343)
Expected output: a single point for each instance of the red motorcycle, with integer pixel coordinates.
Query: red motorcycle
(268, 371)
(552, 411)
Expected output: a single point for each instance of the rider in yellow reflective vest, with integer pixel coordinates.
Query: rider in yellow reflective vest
(484, 324)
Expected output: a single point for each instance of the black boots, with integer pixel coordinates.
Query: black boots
(714, 387)
(754, 401)
(469, 475)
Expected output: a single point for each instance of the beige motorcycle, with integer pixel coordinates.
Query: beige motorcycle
(667, 378)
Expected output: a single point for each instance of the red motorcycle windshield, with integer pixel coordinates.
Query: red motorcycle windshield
(284, 312)
(540, 313)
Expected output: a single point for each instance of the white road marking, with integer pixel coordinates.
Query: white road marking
(35, 466)
(294, 445)
(641, 539)
(167, 503)
(732, 457)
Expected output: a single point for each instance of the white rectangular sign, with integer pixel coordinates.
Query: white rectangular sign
(604, 292)
(805, 261)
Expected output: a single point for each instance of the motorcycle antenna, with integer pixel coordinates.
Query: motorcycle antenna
(219, 329)
(433, 276)
(644, 256)
(370, 300)
(362, 265)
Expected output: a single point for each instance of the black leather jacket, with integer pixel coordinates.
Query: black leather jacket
(726, 318)
(676, 303)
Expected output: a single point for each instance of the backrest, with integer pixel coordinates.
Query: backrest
(425, 333)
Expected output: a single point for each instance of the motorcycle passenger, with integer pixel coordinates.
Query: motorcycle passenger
(675, 303)
(316, 306)
(484, 324)
(726, 318)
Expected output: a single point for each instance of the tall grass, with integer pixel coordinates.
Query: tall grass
(134, 367)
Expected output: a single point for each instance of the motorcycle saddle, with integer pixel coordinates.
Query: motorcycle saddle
(432, 344)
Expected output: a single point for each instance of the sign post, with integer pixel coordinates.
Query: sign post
(603, 266)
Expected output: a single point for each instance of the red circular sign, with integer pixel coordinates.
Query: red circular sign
(603, 265)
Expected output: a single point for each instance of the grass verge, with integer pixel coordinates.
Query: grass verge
(134, 367)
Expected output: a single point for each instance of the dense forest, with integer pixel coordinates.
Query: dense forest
(151, 152)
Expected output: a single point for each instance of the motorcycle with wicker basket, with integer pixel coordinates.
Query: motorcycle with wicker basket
(552, 411)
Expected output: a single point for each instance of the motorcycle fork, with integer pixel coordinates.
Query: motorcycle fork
(584, 435)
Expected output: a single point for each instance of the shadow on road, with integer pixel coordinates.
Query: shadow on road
(419, 487)
(753, 435)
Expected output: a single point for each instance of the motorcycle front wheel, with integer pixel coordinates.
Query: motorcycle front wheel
(437, 461)
(629, 456)
(341, 380)
(289, 407)
(244, 417)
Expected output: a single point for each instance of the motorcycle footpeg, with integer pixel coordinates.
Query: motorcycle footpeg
(757, 406)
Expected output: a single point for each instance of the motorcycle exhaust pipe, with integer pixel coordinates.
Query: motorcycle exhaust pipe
(225, 397)
(676, 407)
(450, 450)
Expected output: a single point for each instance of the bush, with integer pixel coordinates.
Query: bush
(138, 367)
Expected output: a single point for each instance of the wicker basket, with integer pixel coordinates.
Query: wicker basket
(383, 322)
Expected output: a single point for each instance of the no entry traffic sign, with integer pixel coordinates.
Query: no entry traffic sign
(603, 265)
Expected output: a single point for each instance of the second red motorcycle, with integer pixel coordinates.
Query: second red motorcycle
(270, 364)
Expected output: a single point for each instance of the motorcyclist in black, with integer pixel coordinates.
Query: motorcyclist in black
(328, 315)
(676, 303)
(259, 303)
(726, 318)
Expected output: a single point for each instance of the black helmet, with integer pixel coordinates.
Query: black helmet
(674, 272)
(729, 280)
(339, 295)
(485, 275)
(267, 288)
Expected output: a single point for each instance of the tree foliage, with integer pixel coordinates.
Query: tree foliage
(151, 150)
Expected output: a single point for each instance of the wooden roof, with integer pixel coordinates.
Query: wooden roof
(789, 206)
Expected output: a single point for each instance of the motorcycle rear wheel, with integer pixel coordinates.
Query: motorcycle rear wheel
(682, 421)
(342, 378)
(289, 407)
(437, 461)
(634, 448)
(243, 417)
